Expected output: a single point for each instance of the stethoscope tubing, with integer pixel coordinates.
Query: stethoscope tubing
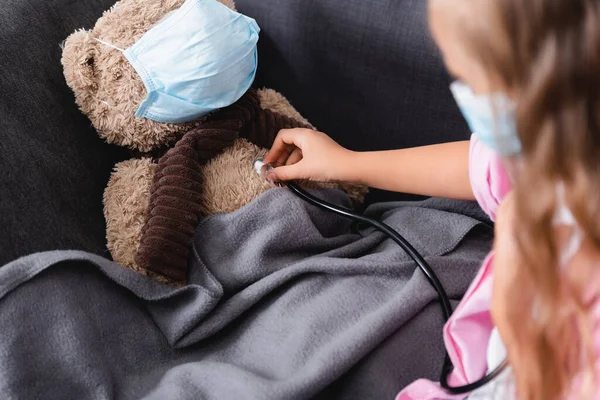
(421, 263)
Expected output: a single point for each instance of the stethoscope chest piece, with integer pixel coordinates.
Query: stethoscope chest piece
(261, 167)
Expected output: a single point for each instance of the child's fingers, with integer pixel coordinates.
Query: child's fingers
(284, 155)
(284, 139)
(294, 157)
(285, 173)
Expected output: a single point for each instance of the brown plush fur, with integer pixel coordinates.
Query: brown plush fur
(125, 202)
(274, 101)
(108, 90)
(230, 183)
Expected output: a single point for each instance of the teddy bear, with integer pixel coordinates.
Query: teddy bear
(179, 172)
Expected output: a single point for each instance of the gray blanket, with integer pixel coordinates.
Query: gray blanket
(284, 302)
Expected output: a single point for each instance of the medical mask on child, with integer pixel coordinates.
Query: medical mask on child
(491, 117)
(200, 58)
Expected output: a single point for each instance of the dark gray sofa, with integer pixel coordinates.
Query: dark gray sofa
(365, 72)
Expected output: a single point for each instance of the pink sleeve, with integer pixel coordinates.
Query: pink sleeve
(489, 179)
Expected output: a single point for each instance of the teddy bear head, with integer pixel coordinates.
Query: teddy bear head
(107, 88)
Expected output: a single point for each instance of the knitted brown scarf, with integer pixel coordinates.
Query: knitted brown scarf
(174, 208)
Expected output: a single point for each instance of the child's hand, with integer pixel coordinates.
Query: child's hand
(308, 154)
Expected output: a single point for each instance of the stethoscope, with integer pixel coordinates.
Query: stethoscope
(262, 169)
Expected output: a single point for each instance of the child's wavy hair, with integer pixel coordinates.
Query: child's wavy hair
(547, 54)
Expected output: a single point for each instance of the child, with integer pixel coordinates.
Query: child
(528, 83)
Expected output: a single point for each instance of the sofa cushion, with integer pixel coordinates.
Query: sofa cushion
(53, 165)
(365, 72)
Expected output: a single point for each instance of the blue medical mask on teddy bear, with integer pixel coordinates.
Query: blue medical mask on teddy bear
(491, 117)
(199, 58)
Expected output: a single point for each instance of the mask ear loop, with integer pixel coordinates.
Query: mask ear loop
(109, 45)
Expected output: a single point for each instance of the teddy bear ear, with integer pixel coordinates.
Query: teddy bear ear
(78, 53)
(228, 3)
